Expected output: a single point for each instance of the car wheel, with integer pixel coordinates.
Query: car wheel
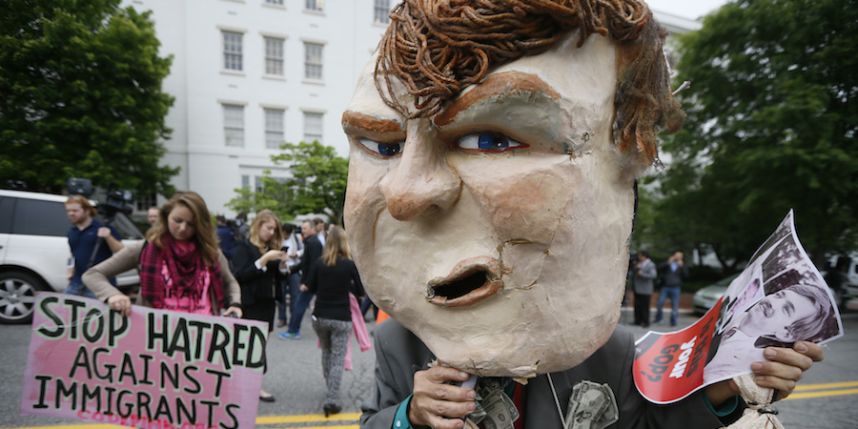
(18, 296)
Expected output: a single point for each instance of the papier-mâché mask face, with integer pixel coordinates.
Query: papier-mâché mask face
(496, 230)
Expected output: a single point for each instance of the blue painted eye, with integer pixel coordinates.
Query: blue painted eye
(489, 142)
(386, 150)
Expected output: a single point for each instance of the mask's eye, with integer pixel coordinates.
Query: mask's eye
(489, 142)
(386, 150)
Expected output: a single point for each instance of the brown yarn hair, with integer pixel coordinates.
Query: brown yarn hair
(276, 239)
(436, 48)
(204, 231)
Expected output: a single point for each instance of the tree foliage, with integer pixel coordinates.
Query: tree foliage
(772, 122)
(317, 184)
(80, 95)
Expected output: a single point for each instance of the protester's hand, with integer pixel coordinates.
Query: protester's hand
(304, 288)
(233, 311)
(103, 232)
(781, 371)
(437, 404)
(784, 367)
(120, 303)
(70, 272)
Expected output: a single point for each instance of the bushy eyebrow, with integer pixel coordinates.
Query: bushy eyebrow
(359, 123)
(496, 85)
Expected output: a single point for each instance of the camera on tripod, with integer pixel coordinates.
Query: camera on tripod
(114, 201)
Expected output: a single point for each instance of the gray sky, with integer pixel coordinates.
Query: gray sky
(686, 8)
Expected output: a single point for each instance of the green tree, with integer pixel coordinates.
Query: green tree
(772, 122)
(80, 95)
(317, 184)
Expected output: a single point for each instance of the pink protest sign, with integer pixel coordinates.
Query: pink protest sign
(154, 369)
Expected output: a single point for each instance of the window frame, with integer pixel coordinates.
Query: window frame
(314, 5)
(270, 59)
(237, 56)
(309, 65)
(268, 131)
(227, 127)
(314, 136)
(381, 12)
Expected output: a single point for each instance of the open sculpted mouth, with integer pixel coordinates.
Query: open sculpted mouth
(469, 282)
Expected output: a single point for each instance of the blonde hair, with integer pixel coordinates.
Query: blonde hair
(83, 202)
(204, 232)
(336, 245)
(275, 241)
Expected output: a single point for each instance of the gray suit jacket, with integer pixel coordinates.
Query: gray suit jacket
(399, 354)
(645, 277)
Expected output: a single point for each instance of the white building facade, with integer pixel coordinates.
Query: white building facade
(248, 75)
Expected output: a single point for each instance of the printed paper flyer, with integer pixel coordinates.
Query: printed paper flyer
(779, 298)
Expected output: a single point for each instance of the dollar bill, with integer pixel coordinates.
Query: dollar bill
(587, 405)
(500, 411)
(611, 414)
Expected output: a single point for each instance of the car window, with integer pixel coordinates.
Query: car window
(6, 206)
(36, 217)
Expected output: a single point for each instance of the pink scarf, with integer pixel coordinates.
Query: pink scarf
(178, 273)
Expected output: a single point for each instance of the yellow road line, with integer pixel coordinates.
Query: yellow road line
(822, 394)
(306, 418)
(803, 387)
(261, 420)
(807, 391)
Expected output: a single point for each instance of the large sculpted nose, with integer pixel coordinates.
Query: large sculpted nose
(422, 180)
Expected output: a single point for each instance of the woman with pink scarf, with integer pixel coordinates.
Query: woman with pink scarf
(181, 266)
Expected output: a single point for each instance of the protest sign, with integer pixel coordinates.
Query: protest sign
(778, 299)
(154, 369)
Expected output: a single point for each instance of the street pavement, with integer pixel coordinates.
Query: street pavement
(827, 397)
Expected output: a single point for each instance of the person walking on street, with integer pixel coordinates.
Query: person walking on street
(321, 229)
(673, 272)
(312, 252)
(645, 274)
(181, 267)
(290, 285)
(225, 237)
(258, 265)
(332, 278)
(84, 238)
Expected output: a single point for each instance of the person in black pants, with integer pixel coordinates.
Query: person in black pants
(332, 278)
(645, 274)
(258, 264)
(312, 252)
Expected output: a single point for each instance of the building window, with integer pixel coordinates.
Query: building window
(274, 128)
(277, 2)
(245, 181)
(313, 60)
(145, 201)
(259, 187)
(274, 56)
(318, 5)
(233, 125)
(313, 127)
(232, 50)
(382, 11)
